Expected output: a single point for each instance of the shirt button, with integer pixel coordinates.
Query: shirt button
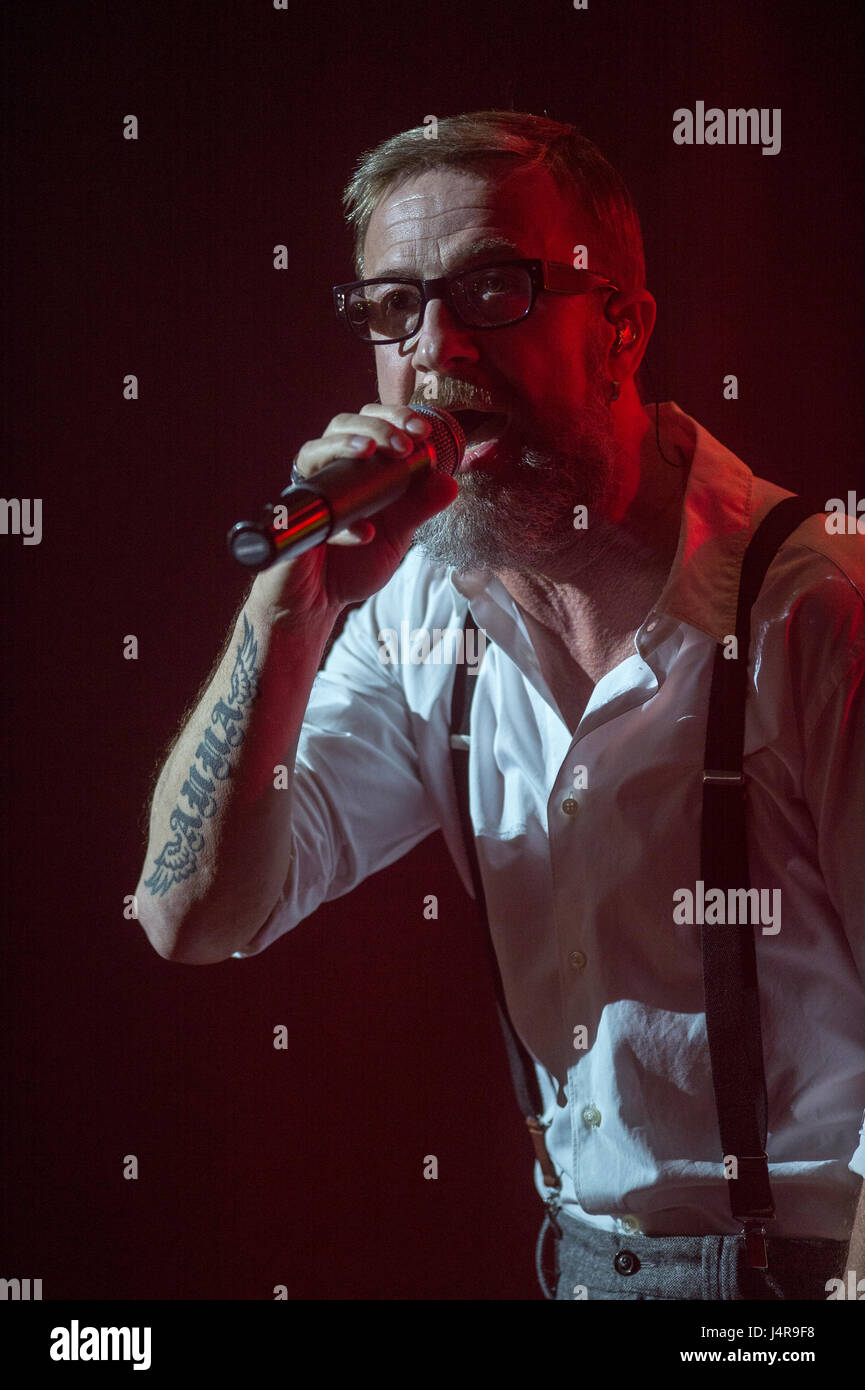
(629, 1224)
(570, 806)
(626, 1262)
(591, 1116)
(578, 959)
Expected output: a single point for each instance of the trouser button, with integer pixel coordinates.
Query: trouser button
(626, 1262)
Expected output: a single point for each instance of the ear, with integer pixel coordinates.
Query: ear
(632, 314)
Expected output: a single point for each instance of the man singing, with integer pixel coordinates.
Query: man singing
(597, 545)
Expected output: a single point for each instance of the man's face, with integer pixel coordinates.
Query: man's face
(543, 378)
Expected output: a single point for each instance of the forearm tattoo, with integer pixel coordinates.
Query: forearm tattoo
(178, 858)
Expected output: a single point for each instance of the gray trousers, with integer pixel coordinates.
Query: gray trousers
(584, 1263)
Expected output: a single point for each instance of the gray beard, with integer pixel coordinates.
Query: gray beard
(521, 516)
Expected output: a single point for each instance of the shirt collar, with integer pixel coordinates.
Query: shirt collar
(717, 523)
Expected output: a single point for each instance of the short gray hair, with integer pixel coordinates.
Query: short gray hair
(503, 141)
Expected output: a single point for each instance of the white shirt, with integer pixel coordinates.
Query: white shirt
(581, 903)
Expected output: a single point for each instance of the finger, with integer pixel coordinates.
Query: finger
(318, 453)
(368, 438)
(361, 533)
(380, 427)
(403, 416)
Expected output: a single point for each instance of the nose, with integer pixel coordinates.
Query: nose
(442, 340)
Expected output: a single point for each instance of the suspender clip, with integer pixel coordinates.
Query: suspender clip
(756, 1252)
(536, 1128)
(553, 1206)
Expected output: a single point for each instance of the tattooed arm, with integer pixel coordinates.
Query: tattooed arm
(220, 832)
(219, 829)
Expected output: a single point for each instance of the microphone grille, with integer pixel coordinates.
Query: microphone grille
(446, 441)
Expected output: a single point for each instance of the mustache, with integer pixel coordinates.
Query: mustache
(456, 395)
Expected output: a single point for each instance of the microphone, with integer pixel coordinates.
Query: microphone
(342, 493)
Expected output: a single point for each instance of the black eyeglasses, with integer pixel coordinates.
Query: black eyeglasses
(389, 309)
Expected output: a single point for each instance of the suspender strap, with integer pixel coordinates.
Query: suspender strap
(522, 1068)
(729, 957)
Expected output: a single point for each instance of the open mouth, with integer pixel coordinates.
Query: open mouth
(480, 426)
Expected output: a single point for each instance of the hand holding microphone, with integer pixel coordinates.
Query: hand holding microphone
(324, 501)
(393, 463)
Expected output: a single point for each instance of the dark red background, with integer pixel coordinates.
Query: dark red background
(261, 1167)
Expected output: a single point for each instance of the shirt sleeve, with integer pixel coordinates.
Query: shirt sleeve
(834, 780)
(834, 785)
(358, 802)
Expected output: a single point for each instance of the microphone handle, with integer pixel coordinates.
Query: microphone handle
(310, 512)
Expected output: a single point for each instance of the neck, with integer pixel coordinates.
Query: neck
(593, 611)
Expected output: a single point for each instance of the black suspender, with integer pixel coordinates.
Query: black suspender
(729, 957)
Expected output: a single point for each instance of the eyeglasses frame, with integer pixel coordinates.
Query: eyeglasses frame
(557, 277)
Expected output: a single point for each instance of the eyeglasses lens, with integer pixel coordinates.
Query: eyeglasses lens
(493, 296)
(484, 298)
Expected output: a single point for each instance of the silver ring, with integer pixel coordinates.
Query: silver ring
(295, 475)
